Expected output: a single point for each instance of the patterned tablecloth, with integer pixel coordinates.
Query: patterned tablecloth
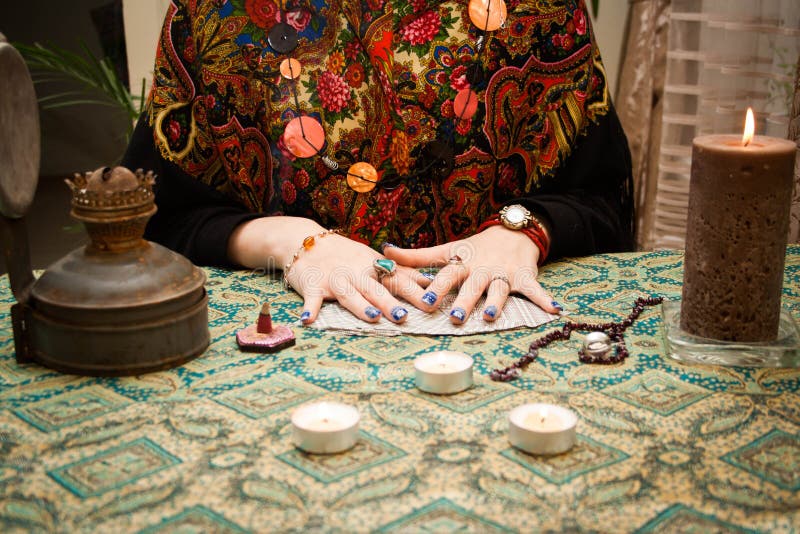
(207, 447)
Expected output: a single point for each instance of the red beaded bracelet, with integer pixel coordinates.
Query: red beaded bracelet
(535, 231)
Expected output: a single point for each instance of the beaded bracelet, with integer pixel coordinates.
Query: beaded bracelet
(308, 243)
(535, 231)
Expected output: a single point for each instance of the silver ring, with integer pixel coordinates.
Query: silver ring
(597, 344)
(384, 267)
(502, 278)
(455, 260)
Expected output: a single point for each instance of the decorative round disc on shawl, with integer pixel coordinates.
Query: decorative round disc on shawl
(362, 177)
(304, 137)
(465, 104)
(19, 134)
(290, 68)
(282, 38)
(487, 15)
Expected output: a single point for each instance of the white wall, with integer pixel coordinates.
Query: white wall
(143, 20)
(609, 28)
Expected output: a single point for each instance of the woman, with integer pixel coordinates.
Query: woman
(477, 136)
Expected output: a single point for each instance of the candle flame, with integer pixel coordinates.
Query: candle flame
(749, 127)
(543, 414)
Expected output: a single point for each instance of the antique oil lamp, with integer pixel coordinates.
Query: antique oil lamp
(121, 305)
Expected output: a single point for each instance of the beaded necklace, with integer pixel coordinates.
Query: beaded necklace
(305, 137)
(614, 331)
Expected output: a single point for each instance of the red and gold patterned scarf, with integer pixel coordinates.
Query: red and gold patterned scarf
(380, 76)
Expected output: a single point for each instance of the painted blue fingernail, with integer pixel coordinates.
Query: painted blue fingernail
(387, 244)
(305, 316)
(398, 312)
(490, 311)
(459, 314)
(429, 276)
(429, 298)
(372, 312)
(557, 306)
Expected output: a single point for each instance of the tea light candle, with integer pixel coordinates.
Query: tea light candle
(443, 372)
(542, 428)
(325, 427)
(736, 233)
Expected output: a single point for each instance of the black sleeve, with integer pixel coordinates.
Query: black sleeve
(588, 206)
(192, 219)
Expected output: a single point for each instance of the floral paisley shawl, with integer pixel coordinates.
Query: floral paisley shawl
(380, 76)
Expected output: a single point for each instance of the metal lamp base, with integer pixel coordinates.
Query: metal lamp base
(118, 350)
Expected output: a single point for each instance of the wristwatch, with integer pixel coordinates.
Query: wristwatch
(515, 217)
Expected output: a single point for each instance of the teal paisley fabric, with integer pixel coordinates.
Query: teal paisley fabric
(206, 447)
(381, 77)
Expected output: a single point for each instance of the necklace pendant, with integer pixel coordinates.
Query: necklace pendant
(487, 15)
(283, 38)
(362, 177)
(304, 137)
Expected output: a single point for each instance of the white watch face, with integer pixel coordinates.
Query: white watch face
(515, 216)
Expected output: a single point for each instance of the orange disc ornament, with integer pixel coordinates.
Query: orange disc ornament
(304, 137)
(487, 15)
(465, 104)
(290, 68)
(362, 177)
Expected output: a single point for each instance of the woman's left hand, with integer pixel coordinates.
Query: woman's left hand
(497, 261)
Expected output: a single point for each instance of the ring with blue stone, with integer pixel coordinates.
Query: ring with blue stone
(384, 267)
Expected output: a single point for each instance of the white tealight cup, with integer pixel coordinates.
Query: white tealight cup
(325, 427)
(443, 372)
(542, 428)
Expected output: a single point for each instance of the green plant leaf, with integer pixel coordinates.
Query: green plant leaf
(142, 97)
(93, 78)
(68, 103)
(57, 96)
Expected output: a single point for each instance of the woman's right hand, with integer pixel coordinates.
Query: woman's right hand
(332, 268)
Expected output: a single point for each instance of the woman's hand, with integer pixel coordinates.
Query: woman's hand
(497, 261)
(332, 268)
(338, 268)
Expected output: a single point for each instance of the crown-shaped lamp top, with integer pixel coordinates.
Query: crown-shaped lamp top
(113, 188)
(114, 204)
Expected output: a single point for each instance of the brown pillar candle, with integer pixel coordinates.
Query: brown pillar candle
(739, 203)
